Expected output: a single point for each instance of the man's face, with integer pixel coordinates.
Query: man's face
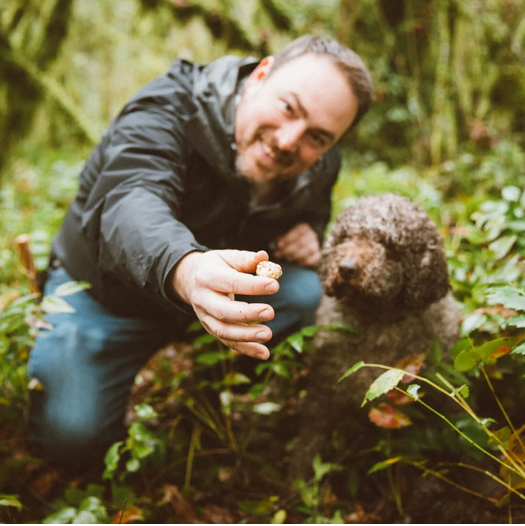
(286, 121)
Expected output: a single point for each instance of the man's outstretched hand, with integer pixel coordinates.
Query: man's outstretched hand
(208, 281)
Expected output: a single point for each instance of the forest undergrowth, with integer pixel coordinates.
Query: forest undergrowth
(210, 435)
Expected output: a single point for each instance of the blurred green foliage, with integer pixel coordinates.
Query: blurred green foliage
(448, 74)
(446, 130)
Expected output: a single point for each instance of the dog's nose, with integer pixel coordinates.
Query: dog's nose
(348, 267)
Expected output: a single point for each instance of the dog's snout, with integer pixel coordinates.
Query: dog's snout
(348, 267)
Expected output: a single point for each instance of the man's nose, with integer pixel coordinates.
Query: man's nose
(289, 135)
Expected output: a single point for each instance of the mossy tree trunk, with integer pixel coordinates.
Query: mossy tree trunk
(31, 34)
(446, 71)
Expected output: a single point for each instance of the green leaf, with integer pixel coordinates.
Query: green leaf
(85, 517)
(310, 330)
(509, 297)
(279, 517)
(435, 353)
(142, 450)
(511, 193)
(122, 496)
(63, 516)
(502, 435)
(210, 358)
(145, 412)
(486, 422)
(266, 408)
(71, 287)
(472, 322)
(474, 236)
(461, 345)
(112, 459)
(296, 341)
(517, 321)
(257, 389)
(140, 433)
(384, 464)
(352, 370)
(258, 507)
(518, 225)
(74, 496)
(520, 349)
(337, 518)
(502, 246)
(412, 390)
(280, 369)
(236, 379)
(195, 326)
(204, 339)
(226, 398)
(10, 500)
(383, 384)
(132, 465)
(96, 490)
(486, 350)
(462, 390)
(465, 361)
(90, 503)
(56, 305)
(323, 468)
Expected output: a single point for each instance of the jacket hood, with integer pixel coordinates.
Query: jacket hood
(211, 127)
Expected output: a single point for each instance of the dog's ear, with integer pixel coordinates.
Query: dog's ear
(326, 267)
(430, 280)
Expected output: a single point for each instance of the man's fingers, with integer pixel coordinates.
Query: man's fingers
(225, 309)
(243, 260)
(255, 350)
(299, 245)
(301, 231)
(237, 332)
(241, 312)
(307, 256)
(226, 280)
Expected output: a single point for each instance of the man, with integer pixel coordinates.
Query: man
(205, 172)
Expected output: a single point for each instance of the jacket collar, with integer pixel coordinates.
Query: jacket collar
(210, 129)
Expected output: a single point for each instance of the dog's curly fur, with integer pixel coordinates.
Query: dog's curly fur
(384, 271)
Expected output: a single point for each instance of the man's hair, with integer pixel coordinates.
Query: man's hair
(346, 60)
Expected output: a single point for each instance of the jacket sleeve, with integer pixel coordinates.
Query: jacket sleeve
(132, 214)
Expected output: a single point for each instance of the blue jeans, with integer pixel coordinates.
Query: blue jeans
(88, 362)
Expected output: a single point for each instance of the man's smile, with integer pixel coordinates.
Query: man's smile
(274, 155)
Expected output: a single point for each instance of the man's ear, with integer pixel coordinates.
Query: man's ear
(260, 72)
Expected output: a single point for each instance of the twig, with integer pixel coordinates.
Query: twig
(122, 513)
(28, 261)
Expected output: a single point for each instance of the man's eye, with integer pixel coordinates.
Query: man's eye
(286, 107)
(317, 138)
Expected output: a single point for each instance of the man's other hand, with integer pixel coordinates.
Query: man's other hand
(208, 281)
(299, 245)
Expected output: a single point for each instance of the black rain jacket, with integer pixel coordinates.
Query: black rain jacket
(161, 183)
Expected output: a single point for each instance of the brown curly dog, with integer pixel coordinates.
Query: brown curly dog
(384, 271)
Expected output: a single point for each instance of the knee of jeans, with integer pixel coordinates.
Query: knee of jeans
(75, 440)
(74, 444)
(306, 295)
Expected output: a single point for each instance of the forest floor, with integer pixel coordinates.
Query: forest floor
(226, 487)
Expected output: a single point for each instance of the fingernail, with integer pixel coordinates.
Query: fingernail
(272, 288)
(261, 335)
(265, 315)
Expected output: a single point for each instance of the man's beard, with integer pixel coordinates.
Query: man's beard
(283, 160)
